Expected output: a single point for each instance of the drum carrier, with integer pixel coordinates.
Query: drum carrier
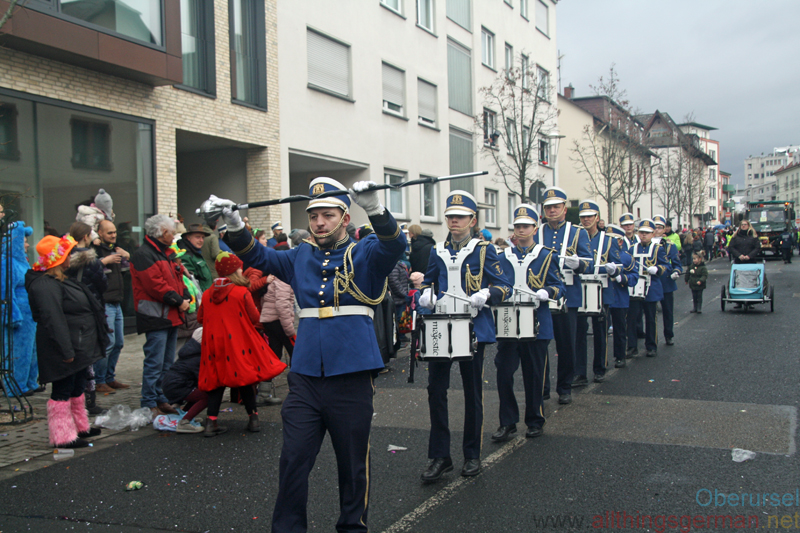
(642, 287)
(516, 319)
(592, 285)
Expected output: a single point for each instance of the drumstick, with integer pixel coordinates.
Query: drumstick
(455, 296)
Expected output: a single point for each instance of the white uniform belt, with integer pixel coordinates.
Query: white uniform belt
(343, 310)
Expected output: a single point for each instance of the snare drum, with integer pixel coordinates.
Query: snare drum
(592, 298)
(639, 291)
(445, 337)
(516, 321)
(558, 306)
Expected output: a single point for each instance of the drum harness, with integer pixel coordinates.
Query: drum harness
(573, 250)
(453, 264)
(521, 266)
(646, 261)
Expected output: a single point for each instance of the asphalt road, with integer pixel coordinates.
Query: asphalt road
(654, 440)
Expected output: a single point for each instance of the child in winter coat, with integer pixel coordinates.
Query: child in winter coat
(180, 383)
(234, 354)
(696, 278)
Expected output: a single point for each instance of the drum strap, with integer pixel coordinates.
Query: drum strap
(599, 255)
(453, 264)
(521, 266)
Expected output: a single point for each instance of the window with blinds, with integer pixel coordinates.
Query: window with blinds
(394, 93)
(461, 160)
(426, 96)
(459, 11)
(328, 64)
(459, 77)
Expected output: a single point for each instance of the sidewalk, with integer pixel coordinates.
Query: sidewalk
(26, 447)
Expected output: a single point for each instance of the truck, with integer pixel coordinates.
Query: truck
(770, 218)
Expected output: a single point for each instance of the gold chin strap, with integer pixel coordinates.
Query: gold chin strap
(343, 282)
(331, 232)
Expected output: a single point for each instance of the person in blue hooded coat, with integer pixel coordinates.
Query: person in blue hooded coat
(22, 341)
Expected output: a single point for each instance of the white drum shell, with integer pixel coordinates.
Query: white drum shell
(639, 291)
(592, 298)
(445, 337)
(515, 321)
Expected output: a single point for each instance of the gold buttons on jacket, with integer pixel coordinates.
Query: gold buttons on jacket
(321, 293)
(322, 286)
(324, 279)
(325, 272)
(327, 253)
(322, 302)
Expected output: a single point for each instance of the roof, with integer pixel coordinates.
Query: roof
(787, 167)
(722, 172)
(698, 125)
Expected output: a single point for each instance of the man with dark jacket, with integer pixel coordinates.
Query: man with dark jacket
(708, 243)
(113, 258)
(192, 241)
(421, 244)
(398, 285)
(160, 299)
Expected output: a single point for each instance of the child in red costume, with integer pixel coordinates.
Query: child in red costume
(233, 353)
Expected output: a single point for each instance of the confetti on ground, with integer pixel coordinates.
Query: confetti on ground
(392, 448)
(676, 381)
(228, 410)
(651, 380)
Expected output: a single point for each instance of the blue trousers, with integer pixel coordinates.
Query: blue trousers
(565, 329)
(341, 406)
(619, 319)
(600, 336)
(648, 309)
(532, 356)
(159, 353)
(472, 382)
(105, 368)
(668, 310)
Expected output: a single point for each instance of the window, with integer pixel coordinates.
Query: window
(461, 160)
(713, 155)
(523, 8)
(712, 174)
(490, 213)
(525, 66)
(526, 138)
(543, 87)
(511, 135)
(489, 126)
(396, 198)
(459, 77)
(328, 64)
(91, 144)
(512, 204)
(749, 165)
(394, 5)
(426, 102)
(394, 89)
(425, 14)
(248, 52)
(713, 210)
(9, 144)
(430, 202)
(487, 48)
(138, 19)
(509, 3)
(542, 21)
(509, 57)
(544, 152)
(459, 11)
(197, 45)
(712, 192)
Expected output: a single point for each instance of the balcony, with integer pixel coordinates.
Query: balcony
(729, 204)
(729, 188)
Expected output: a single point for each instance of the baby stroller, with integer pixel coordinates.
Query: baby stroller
(748, 286)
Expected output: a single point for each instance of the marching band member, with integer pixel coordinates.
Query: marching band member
(606, 259)
(480, 268)
(626, 222)
(619, 298)
(668, 280)
(541, 275)
(653, 263)
(572, 245)
(337, 283)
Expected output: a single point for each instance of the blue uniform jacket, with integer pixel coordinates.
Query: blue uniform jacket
(578, 244)
(493, 274)
(659, 260)
(342, 344)
(539, 278)
(674, 261)
(629, 275)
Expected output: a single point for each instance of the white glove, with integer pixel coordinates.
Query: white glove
(478, 299)
(214, 201)
(542, 295)
(428, 299)
(675, 275)
(691, 271)
(653, 270)
(610, 268)
(571, 262)
(368, 200)
(618, 279)
(232, 219)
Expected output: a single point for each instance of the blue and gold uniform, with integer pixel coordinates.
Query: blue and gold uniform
(480, 270)
(619, 299)
(272, 241)
(649, 256)
(554, 235)
(668, 280)
(542, 274)
(335, 355)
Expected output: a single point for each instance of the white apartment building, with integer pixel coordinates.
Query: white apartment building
(787, 180)
(759, 170)
(710, 147)
(388, 90)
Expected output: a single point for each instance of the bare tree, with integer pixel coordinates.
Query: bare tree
(667, 183)
(517, 115)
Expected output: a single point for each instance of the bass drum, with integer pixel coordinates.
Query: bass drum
(446, 337)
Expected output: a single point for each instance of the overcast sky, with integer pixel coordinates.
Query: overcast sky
(733, 63)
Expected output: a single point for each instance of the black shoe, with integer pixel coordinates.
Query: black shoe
(252, 425)
(598, 378)
(580, 381)
(693, 310)
(619, 363)
(40, 388)
(669, 341)
(651, 353)
(533, 432)
(213, 429)
(565, 399)
(546, 396)
(640, 335)
(631, 352)
(93, 432)
(77, 443)
(504, 433)
(699, 312)
(472, 467)
(437, 468)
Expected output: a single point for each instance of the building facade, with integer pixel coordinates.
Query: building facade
(710, 147)
(390, 90)
(759, 170)
(787, 180)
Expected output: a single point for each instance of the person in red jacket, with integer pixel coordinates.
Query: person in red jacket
(233, 353)
(160, 299)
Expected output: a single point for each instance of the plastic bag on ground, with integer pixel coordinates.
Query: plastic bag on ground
(170, 422)
(121, 416)
(739, 455)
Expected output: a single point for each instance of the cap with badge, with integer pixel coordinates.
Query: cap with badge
(660, 220)
(626, 218)
(616, 231)
(588, 208)
(554, 195)
(647, 225)
(276, 225)
(321, 185)
(526, 214)
(460, 203)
